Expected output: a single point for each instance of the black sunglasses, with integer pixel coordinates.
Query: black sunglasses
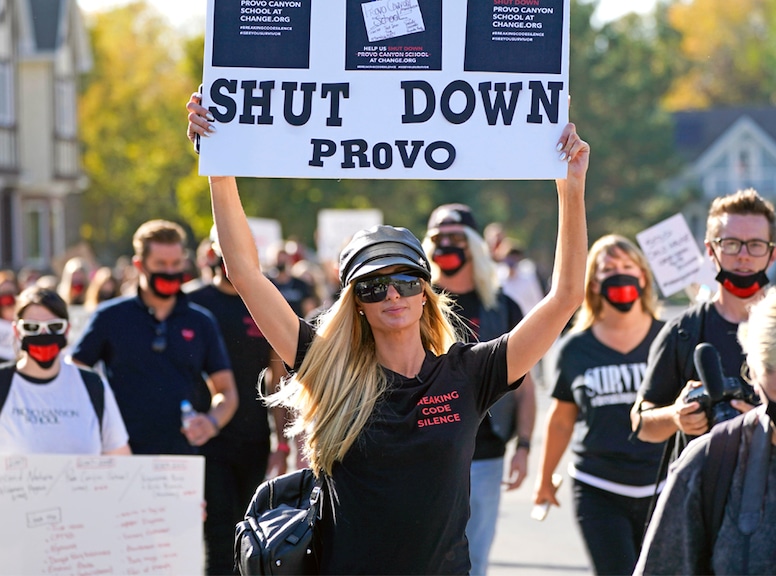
(159, 343)
(375, 289)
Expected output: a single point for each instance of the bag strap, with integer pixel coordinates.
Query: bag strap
(7, 370)
(717, 474)
(96, 390)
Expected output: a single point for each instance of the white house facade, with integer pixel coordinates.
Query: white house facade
(44, 49)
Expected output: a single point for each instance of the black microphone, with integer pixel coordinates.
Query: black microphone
(709, 367)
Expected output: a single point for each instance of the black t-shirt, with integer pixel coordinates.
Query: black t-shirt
(295, 291)
(248, 353)
(603, 383)
(469, 307)
(402, 490)
(664, 379)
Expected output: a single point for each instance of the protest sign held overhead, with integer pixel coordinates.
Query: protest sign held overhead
(415, 89)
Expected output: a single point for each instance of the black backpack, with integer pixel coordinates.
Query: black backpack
(91, 380)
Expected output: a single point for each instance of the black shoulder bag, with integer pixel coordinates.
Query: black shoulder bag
(276, 536)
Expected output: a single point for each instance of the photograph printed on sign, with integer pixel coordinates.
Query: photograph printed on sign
(386, 19)
(393, 35)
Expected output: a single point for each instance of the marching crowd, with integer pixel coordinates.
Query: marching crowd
(401, 373)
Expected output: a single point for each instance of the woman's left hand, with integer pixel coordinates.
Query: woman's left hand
(575, 151)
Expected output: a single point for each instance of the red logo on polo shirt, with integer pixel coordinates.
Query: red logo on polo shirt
(188, 334)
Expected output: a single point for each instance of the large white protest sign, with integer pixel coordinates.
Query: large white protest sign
(101, 514)
(465, 89)
(674, 256)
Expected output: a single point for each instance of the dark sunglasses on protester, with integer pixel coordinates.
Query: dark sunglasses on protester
(35, 327)
(375, 289)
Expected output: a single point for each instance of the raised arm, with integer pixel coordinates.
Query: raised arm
(269, 309)
(531, 338)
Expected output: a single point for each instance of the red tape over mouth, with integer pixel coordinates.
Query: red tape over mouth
(44, 353)
(623, 294)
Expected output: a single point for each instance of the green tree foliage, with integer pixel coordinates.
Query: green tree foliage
(730, 50)
(131, 127)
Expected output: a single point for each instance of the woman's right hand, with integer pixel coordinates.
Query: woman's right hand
(199, 118)
(545, 492)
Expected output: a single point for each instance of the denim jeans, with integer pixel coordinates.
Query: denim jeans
(486, 476)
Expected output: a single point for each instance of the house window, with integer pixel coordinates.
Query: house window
(65, 108)
(6, 94)
(37, 235)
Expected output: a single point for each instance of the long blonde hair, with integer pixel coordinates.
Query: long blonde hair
(339, 382)
(591, 308)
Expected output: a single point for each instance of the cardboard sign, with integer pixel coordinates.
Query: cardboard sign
(415, 89)
(101, 514)
(674, 256)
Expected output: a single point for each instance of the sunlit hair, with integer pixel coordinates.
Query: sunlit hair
(610, 245)
(72, 267)
(94, 294)
(45, 297)
(159, 232)
(744, 202)
(339, 382)
(758, 334)
(485, 268)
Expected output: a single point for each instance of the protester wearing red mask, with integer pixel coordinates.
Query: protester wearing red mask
(48, 405)
(597, 374)
(740, 234)
(156, 346)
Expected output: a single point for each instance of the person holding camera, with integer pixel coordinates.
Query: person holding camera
(717, 511)
(740, 232)
(598, 372)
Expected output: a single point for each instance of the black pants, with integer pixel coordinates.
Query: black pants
(612, 527)
(233, 470)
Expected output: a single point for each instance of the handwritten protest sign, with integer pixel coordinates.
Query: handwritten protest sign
(674, 256)
(386, 88)
(101, 515)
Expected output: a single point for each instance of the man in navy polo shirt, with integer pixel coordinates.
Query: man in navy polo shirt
(155, 347)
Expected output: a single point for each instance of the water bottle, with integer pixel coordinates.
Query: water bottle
(187, 413)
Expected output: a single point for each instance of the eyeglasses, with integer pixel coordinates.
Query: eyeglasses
(732, 246)
(159, 343)
(35, 327)
(374, 290)
(450, 238)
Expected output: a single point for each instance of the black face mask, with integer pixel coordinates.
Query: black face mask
(742, 286)
(621, 291)
(165, 285)
(450, 259)
(44, 348)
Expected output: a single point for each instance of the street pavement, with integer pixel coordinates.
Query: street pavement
(524, 546)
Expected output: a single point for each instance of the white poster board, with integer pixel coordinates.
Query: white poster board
(266, 232)
(414, 89)
(335, 227)
(674, 256)
(101, 514)
(7, 339)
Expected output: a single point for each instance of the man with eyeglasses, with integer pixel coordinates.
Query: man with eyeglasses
(463, 267)
(740, 233)
(156, 346)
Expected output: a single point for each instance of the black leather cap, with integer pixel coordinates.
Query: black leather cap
(378, 247)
